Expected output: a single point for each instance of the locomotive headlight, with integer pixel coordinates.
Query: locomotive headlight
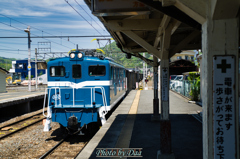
(80, 55)
(72, 55)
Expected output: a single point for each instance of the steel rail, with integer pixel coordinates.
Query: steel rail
(53, 148)
(49, 152)
(17, 130)
(10, 124)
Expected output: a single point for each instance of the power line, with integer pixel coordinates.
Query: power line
(82, 16)
(14, 50)
(89, 15)
(80, 36)
(8, 47)
(7, 30)
(31, 26)
(4, 42)
(10, 52)
(36, 35)
(11, 26)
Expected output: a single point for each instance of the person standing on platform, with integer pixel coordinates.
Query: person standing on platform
(146, 80)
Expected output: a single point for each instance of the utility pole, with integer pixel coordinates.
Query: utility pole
(155, 116)
(29, 58)
(36, 75)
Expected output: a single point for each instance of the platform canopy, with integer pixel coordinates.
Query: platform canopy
(137, 26)
(166, 27)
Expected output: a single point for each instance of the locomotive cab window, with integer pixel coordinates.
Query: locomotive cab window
(76, 71)
(57, 71)
(97, 70)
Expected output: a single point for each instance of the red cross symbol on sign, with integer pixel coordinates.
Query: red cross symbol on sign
(224, 66)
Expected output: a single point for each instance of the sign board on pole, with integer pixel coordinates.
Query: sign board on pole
(164, 83)
(29, 68)
(224, 104)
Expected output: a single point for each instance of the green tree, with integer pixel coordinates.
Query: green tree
(27, 77)
(6, 63)
(194, 79)
(115, 53)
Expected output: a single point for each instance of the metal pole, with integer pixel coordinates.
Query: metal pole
(159, 77)
(146, 72)
(29, 58)
(155, 92)
(143, 72)
(36, 75)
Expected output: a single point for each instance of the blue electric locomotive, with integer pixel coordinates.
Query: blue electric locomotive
(82, 89)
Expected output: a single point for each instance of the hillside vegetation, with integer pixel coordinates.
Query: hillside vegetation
(114, 52)
(6, 63)
(111, 50)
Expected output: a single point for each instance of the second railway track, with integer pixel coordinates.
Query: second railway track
(17, 126)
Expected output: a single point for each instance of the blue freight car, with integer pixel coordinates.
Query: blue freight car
(82, 89)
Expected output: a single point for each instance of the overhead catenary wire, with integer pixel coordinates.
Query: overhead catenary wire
(7, 47)
(4, 42)
(70, 36)
(82, 16)
(11, 26)
(14, 50)
(10, 52)
(89, 15)
(36, 35)
(8, 30)
(32, 27)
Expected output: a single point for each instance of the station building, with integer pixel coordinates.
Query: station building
(186, 55)
(19, 69)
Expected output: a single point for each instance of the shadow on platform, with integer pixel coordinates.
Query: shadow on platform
(186, 134)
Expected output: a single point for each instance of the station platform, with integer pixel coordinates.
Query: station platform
(13, 98)
(130, 126)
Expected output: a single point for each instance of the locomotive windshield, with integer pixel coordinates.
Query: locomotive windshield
(76, 71)
(97, 70)
(56, 71)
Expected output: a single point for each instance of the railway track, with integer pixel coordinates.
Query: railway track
(69, 147)
(19, 125)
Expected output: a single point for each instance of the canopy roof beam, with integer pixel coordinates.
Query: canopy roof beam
(184, 42)
(142, 43)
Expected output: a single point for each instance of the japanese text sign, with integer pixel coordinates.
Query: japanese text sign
(224, 107)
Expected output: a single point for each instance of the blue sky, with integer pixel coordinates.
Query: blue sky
(46, 16)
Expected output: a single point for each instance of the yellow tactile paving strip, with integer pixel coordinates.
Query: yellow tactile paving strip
(126, 132)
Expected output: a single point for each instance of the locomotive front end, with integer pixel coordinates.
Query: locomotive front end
(78, 89)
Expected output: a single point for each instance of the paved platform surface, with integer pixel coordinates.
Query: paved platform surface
(186, 131)
(11, 98)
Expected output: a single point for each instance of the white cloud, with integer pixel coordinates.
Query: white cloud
(37, 8)
(70, 25)
(24, 12)
(50, 16)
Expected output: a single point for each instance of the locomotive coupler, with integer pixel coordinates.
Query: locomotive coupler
(73, 122)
